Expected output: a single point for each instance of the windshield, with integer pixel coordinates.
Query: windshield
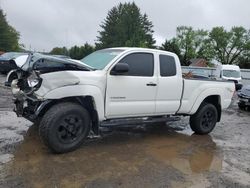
(231, 73)
(101, 58)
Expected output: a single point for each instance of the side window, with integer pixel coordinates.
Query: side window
(140, 64)
(167, 66)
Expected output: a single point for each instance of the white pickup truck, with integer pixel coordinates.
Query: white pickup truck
(72, 98)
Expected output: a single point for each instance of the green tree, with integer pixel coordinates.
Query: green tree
(230, 46)
(59, 51)
(244, 58)
(8, 35)
(193, 44)
(172, 46)
(80, 52)
(126, 26)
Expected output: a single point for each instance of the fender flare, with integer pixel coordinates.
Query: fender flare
(205, 94)
(80, 91)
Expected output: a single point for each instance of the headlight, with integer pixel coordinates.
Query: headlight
(33, 80)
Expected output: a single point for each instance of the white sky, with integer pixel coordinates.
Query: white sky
(44, 24)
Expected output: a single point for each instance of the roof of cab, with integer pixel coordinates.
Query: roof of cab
(141, 49)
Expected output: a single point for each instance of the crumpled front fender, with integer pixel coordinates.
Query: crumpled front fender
(80, 91)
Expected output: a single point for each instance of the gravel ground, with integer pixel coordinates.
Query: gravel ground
(142, 156)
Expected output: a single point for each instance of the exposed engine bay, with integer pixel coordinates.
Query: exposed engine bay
(38, 75)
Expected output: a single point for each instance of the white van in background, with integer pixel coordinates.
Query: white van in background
(230, 73)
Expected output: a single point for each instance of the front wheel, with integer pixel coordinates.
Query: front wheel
(204, 120)
(64, 127)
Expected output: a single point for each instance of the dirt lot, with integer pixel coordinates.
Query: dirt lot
(143, 156)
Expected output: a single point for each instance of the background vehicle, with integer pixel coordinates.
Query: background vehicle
(230, 72)
(244, 97)
(112, 87)
(5, 64)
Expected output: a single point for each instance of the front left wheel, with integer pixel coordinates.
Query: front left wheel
(64, 127)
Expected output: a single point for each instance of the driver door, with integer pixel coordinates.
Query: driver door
(132, 93)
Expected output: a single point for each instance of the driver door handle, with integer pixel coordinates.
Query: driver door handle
(151, 84)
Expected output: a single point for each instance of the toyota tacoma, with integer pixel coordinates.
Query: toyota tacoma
(71, 99)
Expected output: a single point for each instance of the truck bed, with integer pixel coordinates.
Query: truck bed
(194, 91)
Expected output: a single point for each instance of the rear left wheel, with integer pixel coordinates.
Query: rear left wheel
(204, 120)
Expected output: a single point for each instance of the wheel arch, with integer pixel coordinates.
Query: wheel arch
(211, 99)
(216, 101)
(87, 102)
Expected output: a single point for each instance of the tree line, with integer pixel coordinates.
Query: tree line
(75, 52)
(9, 37)
(227, 47)
(126, 26)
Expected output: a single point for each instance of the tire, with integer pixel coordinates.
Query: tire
(205, 119)
(241, 106)
(64, 127)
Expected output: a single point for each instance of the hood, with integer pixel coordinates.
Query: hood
(245, 91)
(31, 74)
(19, 61)
(80, 62)
(47, 63)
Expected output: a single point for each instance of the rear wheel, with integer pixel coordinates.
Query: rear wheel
(204, 120)
(64, 127)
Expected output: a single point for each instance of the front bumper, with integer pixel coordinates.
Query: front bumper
(244, 100)
(27, 109)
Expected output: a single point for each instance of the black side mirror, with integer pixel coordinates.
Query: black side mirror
(120, 68)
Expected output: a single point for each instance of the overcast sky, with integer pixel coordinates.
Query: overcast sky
(44, 24)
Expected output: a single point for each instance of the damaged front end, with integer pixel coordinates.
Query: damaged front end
(29, 81)
(23, 89)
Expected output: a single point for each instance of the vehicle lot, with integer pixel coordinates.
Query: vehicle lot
(143, 156)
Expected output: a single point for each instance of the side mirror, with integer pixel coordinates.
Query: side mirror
(120, 68)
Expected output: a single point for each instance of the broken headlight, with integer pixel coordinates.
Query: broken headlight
(34, 80)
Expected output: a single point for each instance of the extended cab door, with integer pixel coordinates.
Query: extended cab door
(132, 93)
(169, 84)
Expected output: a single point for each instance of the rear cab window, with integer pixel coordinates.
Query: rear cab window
(167, 65)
